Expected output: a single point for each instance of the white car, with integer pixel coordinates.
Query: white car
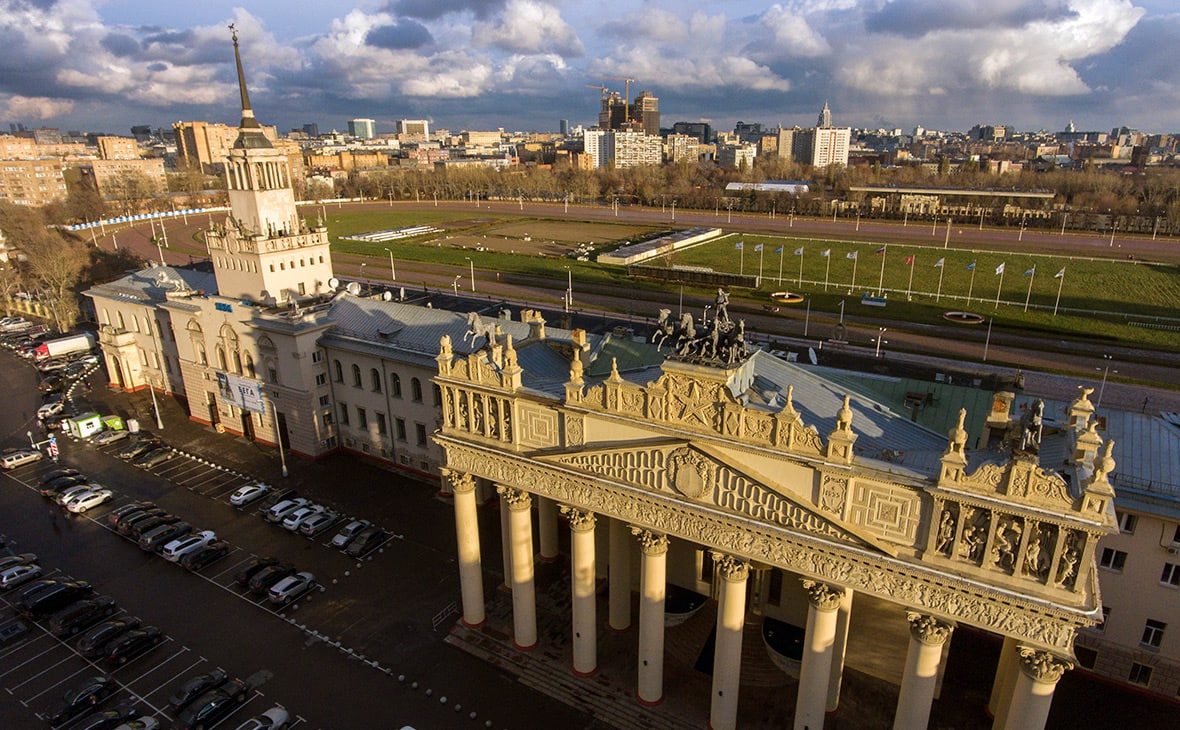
(18, 574)
(249, 493)
(20, 457)
(291, 587)
(50, 409)
(298, 517)
(90, 498)
(109, 437)
(317, 523)
(63, 497)
(182, 546)
(273, 719)
(349, 531)
(284, 508)
(141, 723)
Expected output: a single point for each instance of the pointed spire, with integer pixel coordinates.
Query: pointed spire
(248, 120)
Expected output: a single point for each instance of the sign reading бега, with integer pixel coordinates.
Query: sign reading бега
(242, 392)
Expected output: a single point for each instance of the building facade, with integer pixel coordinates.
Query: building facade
(362, 128)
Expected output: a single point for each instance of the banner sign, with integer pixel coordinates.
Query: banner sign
(242, 392)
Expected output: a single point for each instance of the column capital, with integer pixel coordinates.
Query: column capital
(1042, 666)
(517, 499)
(581, 520)
(823, 596)
(732, 569)
(928, 629)
(461, 481)
(653, 543)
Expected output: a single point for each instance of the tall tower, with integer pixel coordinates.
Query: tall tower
(264, 252)
(646, 111)
(825, 117)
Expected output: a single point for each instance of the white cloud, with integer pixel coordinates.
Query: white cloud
(793, 34)
(526, 26)
(38, 107)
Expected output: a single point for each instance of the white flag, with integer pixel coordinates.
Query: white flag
(999, 269)
(1060, 274)
(799, 251)
(852, 254)
(939, 263)
(826, 252)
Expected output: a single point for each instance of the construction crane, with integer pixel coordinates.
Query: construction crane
(601, 88)
(627, 81)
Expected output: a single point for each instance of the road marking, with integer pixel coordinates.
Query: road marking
(183, 650)
(56, 684)
(38, 674)
(174, 676)
(18, 666)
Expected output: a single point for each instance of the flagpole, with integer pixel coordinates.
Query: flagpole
(828, 269)
(997, 304)
(1059, 285)
(971, 286)
(759, 281)
(800, 283)
(941, 271)
(854, 273)
(909, 289)
(1031, 276)
(881, 280)
(742, 269)
(780, 264)
(947, 241)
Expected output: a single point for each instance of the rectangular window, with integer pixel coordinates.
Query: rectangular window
(401, 429)
(317, 356)
(302, 289)
(272, 375)
(362, 418)
(420, 432)
(437, 395)
(321, 379)
(1153, 633)
(381, 427)
(1127, 522)
(1113, 559)
(327, 418)
(344, 414)
(324, 401)
(1140, 674)
(1176, 535)
(1171, 575)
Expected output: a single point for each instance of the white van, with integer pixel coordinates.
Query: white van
(20, 457)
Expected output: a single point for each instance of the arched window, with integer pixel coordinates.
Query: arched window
(356, 375)
(122, 323)
(375, 378)
(339, 371)
(250, 366)
(395, 385)
(437, 392)
(106, 316)
(416, 390)
(237, 362)
(221, 363)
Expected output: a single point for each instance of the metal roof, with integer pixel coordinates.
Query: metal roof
(153, 283)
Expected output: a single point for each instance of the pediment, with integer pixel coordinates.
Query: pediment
(1021, 481)
(689, 473)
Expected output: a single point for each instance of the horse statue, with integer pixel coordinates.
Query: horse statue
(477, 327)
(665, 328)
(688, 335)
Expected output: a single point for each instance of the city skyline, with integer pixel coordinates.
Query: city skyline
(525, 64)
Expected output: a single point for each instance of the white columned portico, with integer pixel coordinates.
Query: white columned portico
(727, 657)
(653, 591)
(582, 583)
(1032, 691)
(619, 576)
(815, 671)
(927, 635)
(1001, 693)
(467, 534)
(520, 534)
(547, 526)
(839, 649)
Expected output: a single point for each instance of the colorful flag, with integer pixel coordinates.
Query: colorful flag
(971, 266)
(825, 252)
(799, 251)
(738, 246)
(999, 269)
(1031, 271)
(852, 255)
(939, 263)
(1059, 274)
(879, 251)
(757, 248)
(909, 260)
(779, 249)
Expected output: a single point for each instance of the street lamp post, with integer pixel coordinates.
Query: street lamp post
(1105, 372)
(880, 338)
(362, 274)
(673, 210)
(569, 289)
(455, 284)
(472, 265)
(392, 271)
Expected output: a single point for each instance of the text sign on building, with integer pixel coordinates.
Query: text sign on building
(223, 307)
(242, 392)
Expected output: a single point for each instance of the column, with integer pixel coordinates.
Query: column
(652, 578)
(1032, 692)
(467, 534)
(1005, 675)
(620, 576)
(520, 533)
(547, 523)
(582, 582)
(815, 672)
(836, 676)
(927, 635)
(727, 657)
(505, 541)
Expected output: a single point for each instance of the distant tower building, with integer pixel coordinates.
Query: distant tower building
(311, 129)
(646, 112)
(419, 128)
(362, 128)
(825, 117)
(613, 114)
(564, 124)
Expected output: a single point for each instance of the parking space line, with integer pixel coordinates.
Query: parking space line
(38, 674)
(18, 666)
(144, 654)
(235, 565)
(52, 686)
(183, 650)
(299, 719)
(173, 677)
(25, 645)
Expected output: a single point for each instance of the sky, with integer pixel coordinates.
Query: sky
(105, 65)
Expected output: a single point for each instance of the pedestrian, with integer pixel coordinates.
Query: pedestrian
(53, 516)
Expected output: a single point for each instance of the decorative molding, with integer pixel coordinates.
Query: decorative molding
(928, 629)
(461, 482)
(517, 499)
(822, 596)
(652, 543)
(581, 520)
(732, 569)
(575, 429)
(1042, 666)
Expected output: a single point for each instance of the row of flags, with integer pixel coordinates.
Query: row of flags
(908, 259)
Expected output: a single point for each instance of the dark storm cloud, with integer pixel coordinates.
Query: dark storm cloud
(915, 18)
(399, 35)
(1145, 57)
(121, 44)
(169, 37)
(434, 9)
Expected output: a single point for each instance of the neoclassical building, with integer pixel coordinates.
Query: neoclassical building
(764, 487)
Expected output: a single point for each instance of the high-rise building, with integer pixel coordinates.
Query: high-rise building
(646, 112)
(701, 130)
(825, 117)
(613, 114)
(311, 129)
(419, 129)
(362, 128)
(564, 125)
(822, 145)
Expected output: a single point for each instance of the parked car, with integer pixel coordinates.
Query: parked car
(106, 438)
(97, 637)
(155, 457)
(348, 532)
(138, 448)
(76, 368)
(213, 706)
(155, 539)
(248, 494)
(317, 523)
(132, 644)
(268, 576)
(50, 408)
(18, 575)
(140, 723)
(193, 687)
(119, 514)
(9, 561)
(81, 614)
(65, 471)
(55, 598)
(290, 588)
(89, 499)
(54, 487)
(277, 495)
(84, 696)
(207, 555)
(138, 528)
(64, 496)
(280, 511)
(293, 520)
(366, 542)
(273, 719)
(12, 631)
(178, 548)
(106, 719)
(20, 457)
(245, 574)
(52, 384)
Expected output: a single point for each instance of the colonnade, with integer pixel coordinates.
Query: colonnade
(1025, 677)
